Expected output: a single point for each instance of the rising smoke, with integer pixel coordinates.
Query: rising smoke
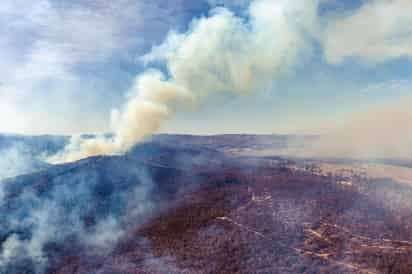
(222, 52)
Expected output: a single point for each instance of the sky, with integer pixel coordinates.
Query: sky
(66, 65)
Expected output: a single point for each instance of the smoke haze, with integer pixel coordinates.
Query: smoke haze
(382, 131)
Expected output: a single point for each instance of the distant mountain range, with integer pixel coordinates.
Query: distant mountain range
(26, 154)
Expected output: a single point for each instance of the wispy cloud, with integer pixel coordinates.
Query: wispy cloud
(230, 3)
(395, 85)
(51, 50)
(380, 30)
(77, 59)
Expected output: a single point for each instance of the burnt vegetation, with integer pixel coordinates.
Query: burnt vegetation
(218, 213)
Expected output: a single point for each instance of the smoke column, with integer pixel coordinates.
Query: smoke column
(222, 52)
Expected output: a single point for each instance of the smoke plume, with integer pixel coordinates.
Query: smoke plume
(222, 52)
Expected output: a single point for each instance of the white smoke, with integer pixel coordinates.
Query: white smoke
(11, 249)
(219, 53)
(15, 161)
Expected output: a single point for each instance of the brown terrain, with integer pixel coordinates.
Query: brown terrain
(269, 217)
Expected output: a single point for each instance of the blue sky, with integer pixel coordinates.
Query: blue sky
(67, 64)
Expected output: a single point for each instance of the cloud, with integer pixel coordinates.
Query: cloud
(230, 3)
(379, 31)
(71, 57)
(55, 52)
(394, 85)
(219, 53)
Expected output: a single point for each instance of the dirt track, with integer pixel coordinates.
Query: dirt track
(268, 220)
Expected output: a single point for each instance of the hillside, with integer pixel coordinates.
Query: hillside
(188, 205)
